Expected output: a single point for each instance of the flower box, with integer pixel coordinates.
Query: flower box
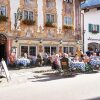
(49, 24)
(3, 18)
(28, 22)
(94, 31)
(67, 27)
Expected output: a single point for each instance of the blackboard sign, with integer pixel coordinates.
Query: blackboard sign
(5, 70)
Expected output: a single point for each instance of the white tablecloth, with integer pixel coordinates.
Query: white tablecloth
(78, 65)
(23, 61)
(95, 62)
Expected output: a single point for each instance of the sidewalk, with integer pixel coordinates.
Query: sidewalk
(24, 75)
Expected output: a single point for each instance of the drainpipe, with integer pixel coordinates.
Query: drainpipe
(83, 31)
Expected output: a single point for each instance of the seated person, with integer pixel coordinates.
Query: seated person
(86, 59)
(65, 62)
(12, 58)
(76, 59)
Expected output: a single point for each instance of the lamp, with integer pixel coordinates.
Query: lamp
(61, 41)
(16, 39)
(41, 40)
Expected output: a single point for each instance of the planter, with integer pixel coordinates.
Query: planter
(49, 24)
(28, 22)
(67, 27)
(94, 32)
(3, 18)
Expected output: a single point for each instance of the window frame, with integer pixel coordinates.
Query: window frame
(5, 12)
(68, 49)
(50, 18)
(28, 15)
(28, 53)
(69, 20)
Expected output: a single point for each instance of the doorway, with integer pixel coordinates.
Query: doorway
(3, 42)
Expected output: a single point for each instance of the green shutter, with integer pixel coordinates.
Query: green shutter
(90, 27)
(98, 30)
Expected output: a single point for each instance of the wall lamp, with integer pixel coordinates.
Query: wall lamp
(16, 39)
(61, 41)
(41, 40)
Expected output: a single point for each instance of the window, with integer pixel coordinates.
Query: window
(69, 50)
(49, 18)
(68, 21)
(65, 49)
(28, 15)
(69, 1)
(3, 10)
(50, 50)
(94, 28)
(30, 50)
(25, 14)
(49, 3)
(24, 49)
(28, 1)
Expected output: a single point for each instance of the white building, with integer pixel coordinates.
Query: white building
(91, 25)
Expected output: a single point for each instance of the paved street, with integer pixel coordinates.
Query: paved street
(37, 84)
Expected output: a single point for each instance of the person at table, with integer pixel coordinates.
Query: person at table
(12, 59)
(39, 59)
(65, 63)
(25, 55)
(76, 58)
(93, 56)
(86, 59)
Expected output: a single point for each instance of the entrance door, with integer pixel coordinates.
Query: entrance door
(3, 42)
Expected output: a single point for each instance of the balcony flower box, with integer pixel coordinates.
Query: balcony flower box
(67, 27)
(50, 24)
(94, 31)
(3, 18)
(28, 22)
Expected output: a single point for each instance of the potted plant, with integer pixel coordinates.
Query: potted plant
(67, 27)
(50, 24)
(28, 22)
(3, 18)
(94, 31)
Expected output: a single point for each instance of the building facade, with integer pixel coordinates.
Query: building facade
(91, 12)
(38, 26)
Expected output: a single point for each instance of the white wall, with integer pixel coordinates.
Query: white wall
(40, 13)
(14, 4)
(91, 17)
(59, 13)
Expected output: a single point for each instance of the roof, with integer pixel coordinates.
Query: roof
(90, 4)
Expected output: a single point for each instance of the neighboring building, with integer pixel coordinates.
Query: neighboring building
(91, 15)
(38, 26)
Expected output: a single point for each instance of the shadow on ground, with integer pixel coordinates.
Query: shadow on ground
(97, 98)
(50, 77)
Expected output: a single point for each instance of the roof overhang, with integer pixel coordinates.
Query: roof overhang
(91, 7)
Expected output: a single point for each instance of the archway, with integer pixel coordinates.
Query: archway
(3, 42)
